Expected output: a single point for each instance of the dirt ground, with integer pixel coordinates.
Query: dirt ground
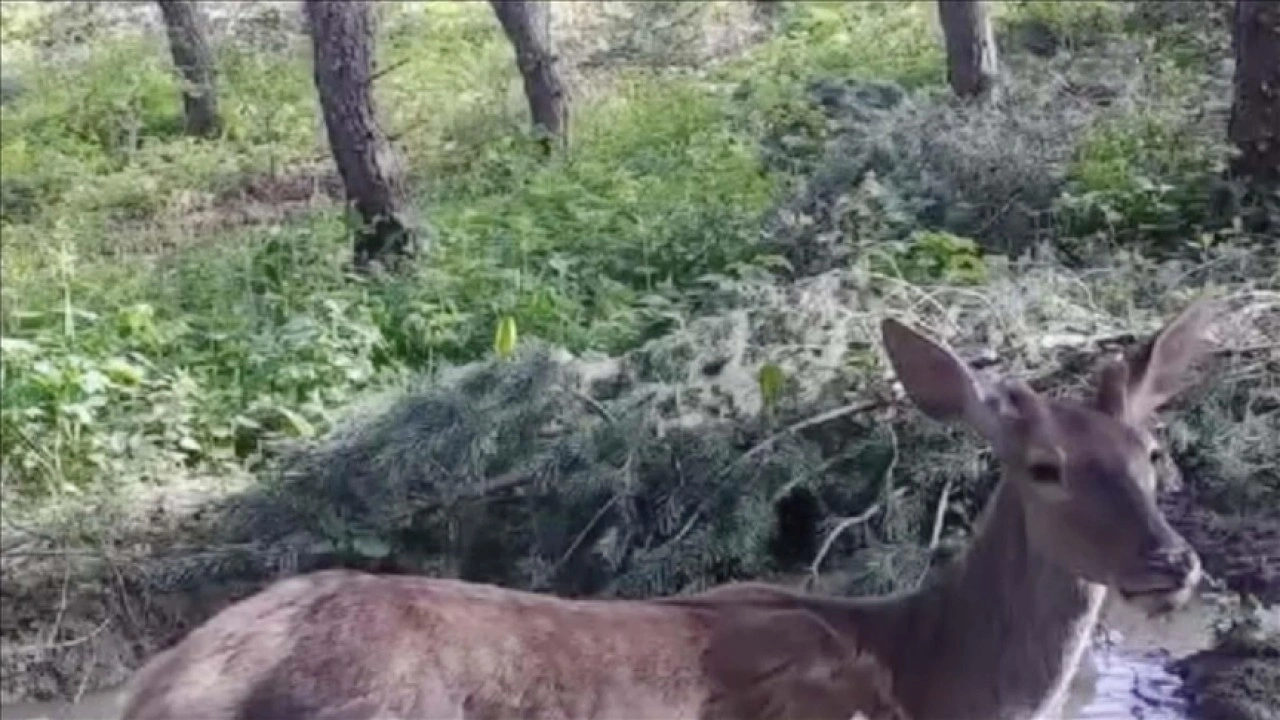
(1243, 552)
(1239, 679)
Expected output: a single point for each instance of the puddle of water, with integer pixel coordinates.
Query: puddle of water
(1125, 674)
(1127, 684)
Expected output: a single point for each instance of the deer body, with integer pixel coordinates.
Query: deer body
(998, 635)
(399, 647)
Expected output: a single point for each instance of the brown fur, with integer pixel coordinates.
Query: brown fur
(994, 637)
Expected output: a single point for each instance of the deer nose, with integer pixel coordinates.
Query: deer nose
(1178, 561)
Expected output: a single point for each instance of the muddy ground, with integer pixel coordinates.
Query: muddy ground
(1239, 679)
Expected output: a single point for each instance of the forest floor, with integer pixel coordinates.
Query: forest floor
(199, 398)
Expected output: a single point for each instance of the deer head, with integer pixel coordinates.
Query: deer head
(1084, 471)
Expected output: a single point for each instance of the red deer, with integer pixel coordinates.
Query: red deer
(995, 635)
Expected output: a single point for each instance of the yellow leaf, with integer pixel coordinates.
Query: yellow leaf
(504, 340)
(772, 380)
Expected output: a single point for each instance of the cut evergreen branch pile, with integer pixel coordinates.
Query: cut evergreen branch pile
(705, 400)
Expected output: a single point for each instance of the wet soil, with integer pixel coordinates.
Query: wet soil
(1238, 678)
(1234, 680)
(1242, 551)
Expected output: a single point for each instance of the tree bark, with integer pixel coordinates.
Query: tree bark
(342, 43)
(767, 10)
(191, 56)
(1255, 107)
(527, 24)
(971, 47)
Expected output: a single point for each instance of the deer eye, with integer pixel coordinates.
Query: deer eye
(1156, 456)
(1045, 473)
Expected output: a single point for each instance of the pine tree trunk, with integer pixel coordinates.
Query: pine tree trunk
(971, 47)
(342, 43)
(195, 63)
(527, 24)
(766, 11)
(1255, 107)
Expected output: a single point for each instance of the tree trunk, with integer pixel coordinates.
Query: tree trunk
(767, 11)
(527, 24)
(342, 43)
(1255, 107)
(971, 47)
(195, 63)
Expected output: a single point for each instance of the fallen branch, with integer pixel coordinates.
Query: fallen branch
(820, 418)
(585, 532)
(66, 552)
(502, 483)
(888, 496)
(595, 520)
(936, 536)
(841, 526)
(62, 603)
(886, 485)
(594, 404)
(768, 442)
(64, 645)
(378, 75)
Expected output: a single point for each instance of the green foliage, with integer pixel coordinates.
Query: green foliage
(1190, 34)
(588, 250)
(450, 95)
(93, 111)
(1045, 28)
(863, 41)
(654, 212)
(147, 334)
(1232, 468)
(933, 257)
(1142, 176)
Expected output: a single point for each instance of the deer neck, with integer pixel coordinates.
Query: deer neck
(998, 635)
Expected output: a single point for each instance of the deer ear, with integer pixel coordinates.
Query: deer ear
(943, 386)
(1162, 368)
(1113, 388)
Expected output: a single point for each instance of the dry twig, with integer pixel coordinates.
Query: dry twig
(841, 526)
(63, 645)
(936, 536)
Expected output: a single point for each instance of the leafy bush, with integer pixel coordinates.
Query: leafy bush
(900, 161)
(654, 213)
(1047, 28)
(1143, 177)
(267, 329)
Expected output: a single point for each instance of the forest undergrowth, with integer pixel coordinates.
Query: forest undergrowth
(199, 395)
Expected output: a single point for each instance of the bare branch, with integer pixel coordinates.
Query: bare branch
(64, 645)
(936, 536)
